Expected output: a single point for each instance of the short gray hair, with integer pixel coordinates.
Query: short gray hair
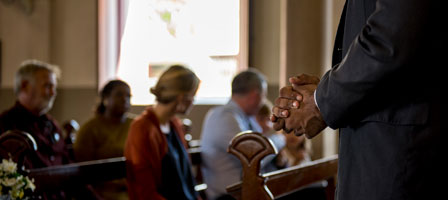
(28, 70)
(246, 81)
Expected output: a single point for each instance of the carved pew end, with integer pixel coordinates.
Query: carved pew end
(251, 148)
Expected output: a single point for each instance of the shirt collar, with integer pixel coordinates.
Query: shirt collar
(250, 120)
(25, 112)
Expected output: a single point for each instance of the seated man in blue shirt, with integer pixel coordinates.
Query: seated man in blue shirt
(221, 169)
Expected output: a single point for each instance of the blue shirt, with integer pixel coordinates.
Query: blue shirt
(221, 169)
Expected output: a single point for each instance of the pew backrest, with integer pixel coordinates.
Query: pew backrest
(77, 174)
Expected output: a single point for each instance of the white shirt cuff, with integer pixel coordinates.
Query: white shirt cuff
(315, 100)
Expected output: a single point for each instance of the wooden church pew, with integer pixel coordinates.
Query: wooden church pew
(21, 145)
(251, 148)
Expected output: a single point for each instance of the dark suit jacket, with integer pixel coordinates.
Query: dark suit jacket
(384, 92)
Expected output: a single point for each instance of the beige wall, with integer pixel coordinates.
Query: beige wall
(304, 36)
(64, 32)
(1, 27)
(23, 36)
(337, 7)
(265, 38)
(74, 42)
(61, 32)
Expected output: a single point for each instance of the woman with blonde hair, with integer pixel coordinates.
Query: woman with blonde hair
(158, 165)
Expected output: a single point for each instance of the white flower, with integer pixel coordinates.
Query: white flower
(30, 184)
(12, 182)
(9, 166)
(20, 183)
(9, 182)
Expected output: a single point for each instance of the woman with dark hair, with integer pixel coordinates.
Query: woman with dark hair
(104, 135)
(158, 165)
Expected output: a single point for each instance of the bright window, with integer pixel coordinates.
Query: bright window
(204, 35)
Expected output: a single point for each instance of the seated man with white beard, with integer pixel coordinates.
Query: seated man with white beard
(35, 89)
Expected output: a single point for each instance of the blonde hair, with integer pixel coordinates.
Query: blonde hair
(174, 81)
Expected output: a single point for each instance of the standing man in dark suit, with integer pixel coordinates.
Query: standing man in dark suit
(384, 93)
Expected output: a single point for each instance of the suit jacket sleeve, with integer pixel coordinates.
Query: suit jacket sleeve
(385, 50)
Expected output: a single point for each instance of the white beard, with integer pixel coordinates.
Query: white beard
(48, 106)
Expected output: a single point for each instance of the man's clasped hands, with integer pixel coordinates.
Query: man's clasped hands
(295, 108)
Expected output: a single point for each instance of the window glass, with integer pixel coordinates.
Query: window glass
(201, 34)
